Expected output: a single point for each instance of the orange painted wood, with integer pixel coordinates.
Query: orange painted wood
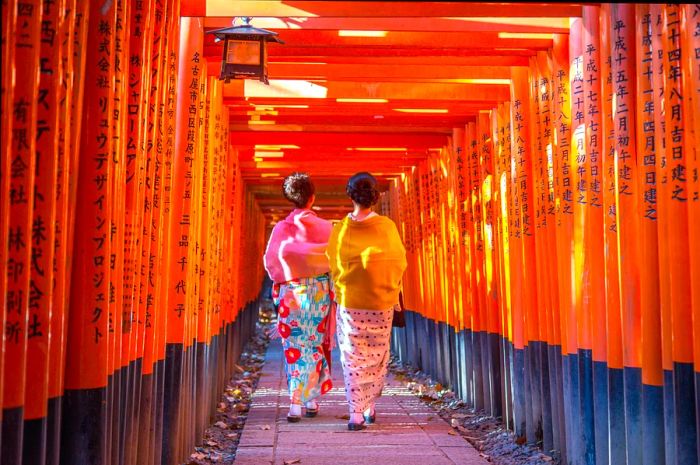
(503, 158)
(652, 369)
(579, 318)
(662, 226)
(594, 285)
(610, 220)
(594, 238)
(487, 93)
(363, 9)
(139, 81)
(625, 177)
(44, 213)
(190, 43)
(9, 14)
(563, 189)
(541, 143)
(22, 155)
(401, 23)
(486, 149)
(692, 23)
(474, 214)
(162, 315)
(119, 158)
(458, 168)
(522, 154)
(674, 189)
(75, 60)
(88, 343)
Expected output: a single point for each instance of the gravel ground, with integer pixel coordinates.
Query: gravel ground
(488, 435)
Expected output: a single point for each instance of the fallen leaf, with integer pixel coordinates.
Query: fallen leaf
(265, 427)
(212, 443)
(292, 461)
(454, 422)
(221, 425)
(231, 435)
(198, 456)
(452, 432)
(343, 417)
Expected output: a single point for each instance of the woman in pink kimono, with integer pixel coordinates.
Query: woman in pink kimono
(296, 262)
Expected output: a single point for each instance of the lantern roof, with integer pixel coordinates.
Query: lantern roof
(246, 30)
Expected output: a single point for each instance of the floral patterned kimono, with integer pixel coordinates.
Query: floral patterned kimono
(304, 306)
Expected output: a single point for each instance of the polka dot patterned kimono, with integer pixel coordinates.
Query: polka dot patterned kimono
(363, 340)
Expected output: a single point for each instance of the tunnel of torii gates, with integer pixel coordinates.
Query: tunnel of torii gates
(542, 168)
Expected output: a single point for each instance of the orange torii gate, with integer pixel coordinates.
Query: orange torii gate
(549, 204)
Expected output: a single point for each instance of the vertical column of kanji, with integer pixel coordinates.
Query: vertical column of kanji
(540, 142)
(162, 313)
(674, 193)
(522, 155)
(9, 16)
(579, 358)
(652, 369)
(229, 239)
(152, 310)
(138, 84)
(56, 347)
(594, 313)
(187, 103)
(42, 235)
(116, 417)
(433, 262)
(550, 300)
(514, 264)
(563, 193)
(141, 326)
(490, 309)
(539, 95)
(659, 84)
(454, 257)
(475, 246)
(624, 86)
(216, 260)
(446, 278)
(502, 167)
(579, 317)
(578, 370)
(18, 259)
(444, 285)
(691, 14)
(204, 203)
(456, 178)
(616, 418)
(84, 420)
(195, 271)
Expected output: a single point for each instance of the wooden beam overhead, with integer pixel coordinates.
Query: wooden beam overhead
(374, 9)
(345, 70)
(407, 24)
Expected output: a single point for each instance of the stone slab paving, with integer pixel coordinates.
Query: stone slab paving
(407, 431)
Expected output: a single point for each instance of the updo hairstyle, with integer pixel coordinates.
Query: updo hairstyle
(362, 189)
(298, 189)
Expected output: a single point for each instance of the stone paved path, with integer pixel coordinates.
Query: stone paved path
(407, 431)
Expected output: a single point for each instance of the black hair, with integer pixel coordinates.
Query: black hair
(298, 189)
(362, 189)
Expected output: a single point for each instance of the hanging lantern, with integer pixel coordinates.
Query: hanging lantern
(244, 55)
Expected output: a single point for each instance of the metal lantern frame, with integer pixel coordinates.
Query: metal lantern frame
(245, 52)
